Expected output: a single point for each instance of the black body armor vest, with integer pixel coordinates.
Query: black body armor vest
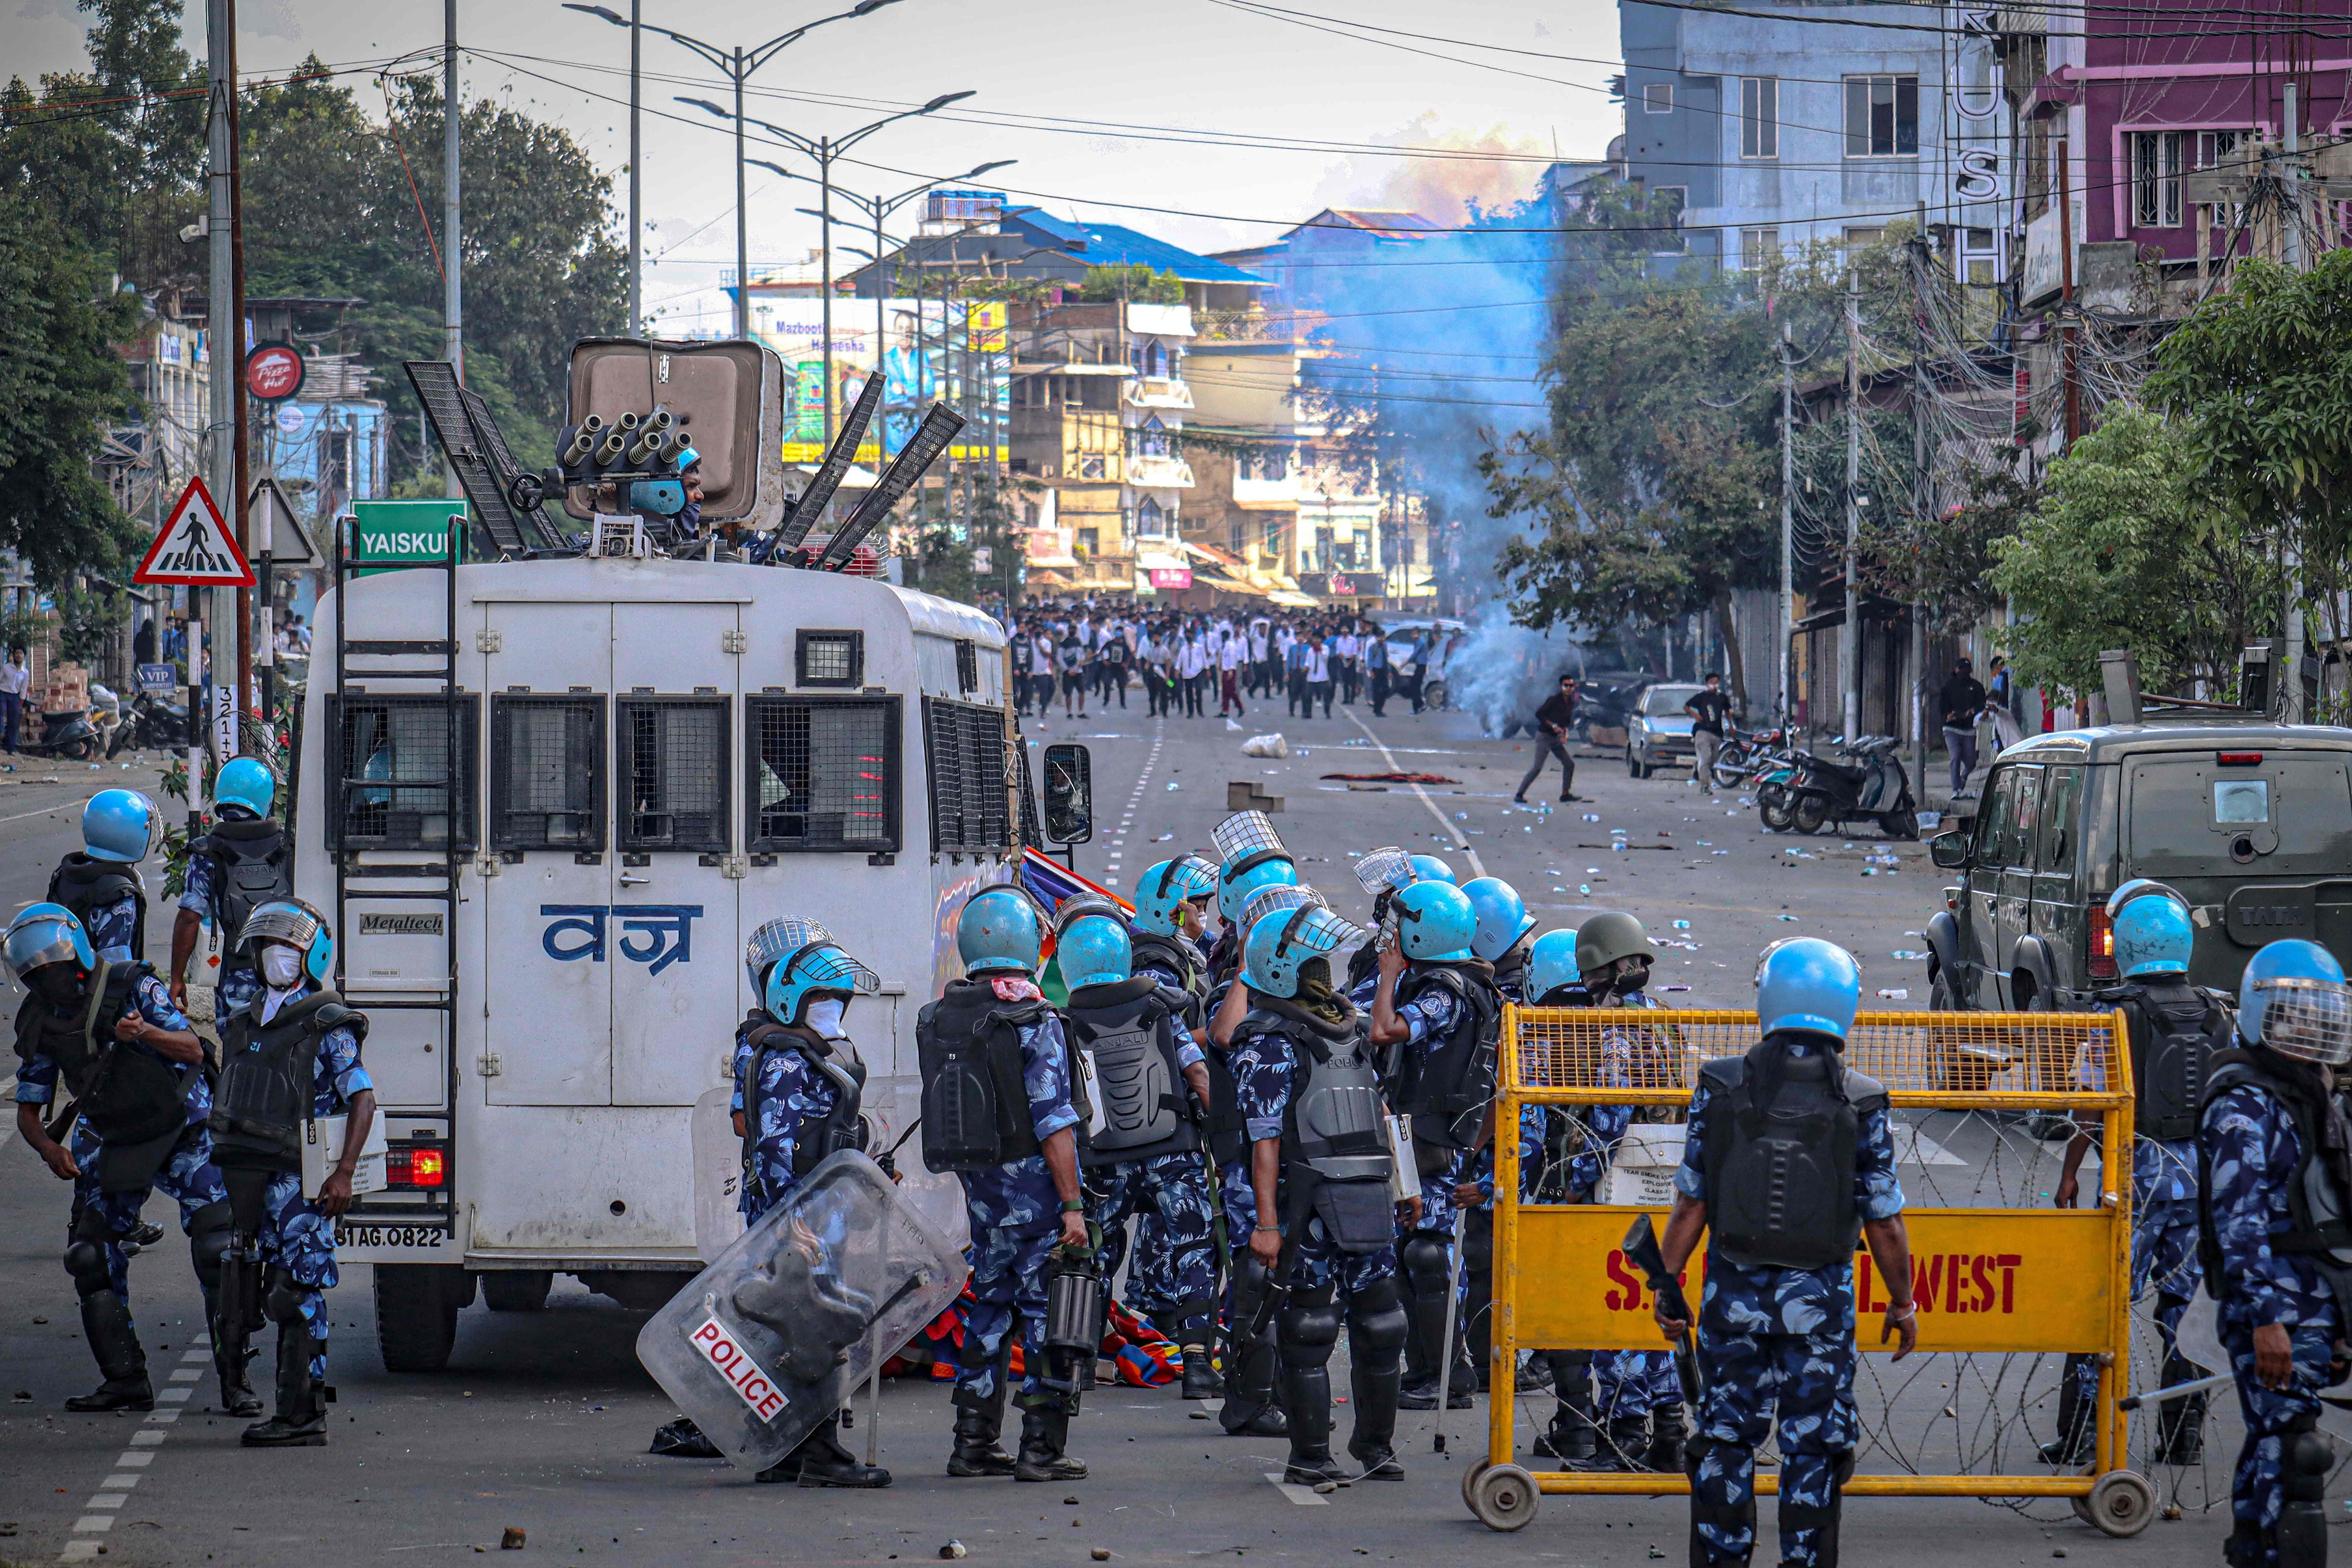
(1448, 1091)
(83, 883)
(1779, 1177)
(253, 862)
(2316, 1195)
(838, 1063)
(128, 1096)
(2174, 1030)
(975, 1103)
(266, 1074)
(1143, 1106)
(1176, 955)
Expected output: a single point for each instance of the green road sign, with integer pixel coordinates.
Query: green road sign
(383, 535)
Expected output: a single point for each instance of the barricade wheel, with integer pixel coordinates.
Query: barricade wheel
(1504, 1497)
(1470, 1474)
(2122, 1502)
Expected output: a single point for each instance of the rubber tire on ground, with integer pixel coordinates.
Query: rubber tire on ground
(1940, 998)
(517, 1289)
(1903, 825)
(1504, 1497)
(416, 1307)
(2121, 1503)
(1774, 813)
(1470, 1474)
(1807, 813)
(82, 750)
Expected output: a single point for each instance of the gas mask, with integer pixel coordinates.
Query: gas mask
(280, 966)
(58, 985)
(824, 1015)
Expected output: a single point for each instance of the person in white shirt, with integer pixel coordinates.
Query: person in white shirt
(1041, 672)
(1319, 674)
(1229, 675)
(15, 677)
(1261, 651)
(1345, 649)
(1193, 665)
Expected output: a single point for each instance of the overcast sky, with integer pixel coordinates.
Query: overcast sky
(1096, 101)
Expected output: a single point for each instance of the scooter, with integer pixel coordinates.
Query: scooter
(67, 735)
(152, 724)
(1873, 786)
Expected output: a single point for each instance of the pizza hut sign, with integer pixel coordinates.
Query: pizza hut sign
(274, 372)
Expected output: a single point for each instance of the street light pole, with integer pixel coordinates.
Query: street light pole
(636, 176)
(743, 241)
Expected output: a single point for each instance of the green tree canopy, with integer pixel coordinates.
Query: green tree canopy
(1137, 282)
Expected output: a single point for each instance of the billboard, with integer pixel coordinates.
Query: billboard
(955, 351)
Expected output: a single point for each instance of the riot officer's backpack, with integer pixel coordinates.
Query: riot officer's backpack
(975, 1104)
(84, 884)
(1781, 1173)
(253, 862)
(2177, 1029)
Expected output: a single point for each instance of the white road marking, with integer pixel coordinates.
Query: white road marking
(1477, 867)
(1304, 1497)
(107, 1499)
(7, 1092)
(115, 1491)
(125, 1482)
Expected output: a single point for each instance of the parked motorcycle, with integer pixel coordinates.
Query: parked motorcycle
(1741, 752)
(1870, 783)
(67, 735)
(152, 724)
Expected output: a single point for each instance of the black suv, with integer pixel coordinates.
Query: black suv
(2251, 821)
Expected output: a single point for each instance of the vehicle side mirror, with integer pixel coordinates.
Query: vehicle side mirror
(1070, 793)
(1950, 850)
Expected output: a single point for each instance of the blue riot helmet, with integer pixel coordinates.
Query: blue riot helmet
(1284, 941)
(2153, 936)
(1164, 887)
(1434, 921)
(663, 498)
(1235, 892)
(814, 970)
(46, 934)
(1805, 982)
(2294, 1000)
(1502, 917)
(121, 825)
(297, 925)
(1094, 950)
(999, 928)
(1552, 963)
(1430, 869)
(246, 782)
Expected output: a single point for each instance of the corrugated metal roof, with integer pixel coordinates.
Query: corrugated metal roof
(1113, 245)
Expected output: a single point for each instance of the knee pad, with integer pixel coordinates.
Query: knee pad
(1427, 1264)
(284, 1302)
(2308, 1457)
(1310, 1329)
(85, 1258)
(208, 1242)
(1376, 1319)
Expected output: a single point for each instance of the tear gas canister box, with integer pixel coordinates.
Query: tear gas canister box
(1643, 1173)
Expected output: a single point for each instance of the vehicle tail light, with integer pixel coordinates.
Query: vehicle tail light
(2103, 944)
(416, 1165)
(2241, 759)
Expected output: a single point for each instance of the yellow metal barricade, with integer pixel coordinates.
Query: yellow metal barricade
(2006, 1280)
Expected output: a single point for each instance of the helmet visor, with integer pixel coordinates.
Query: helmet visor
(1315, 929)
(1383, 869)
(1266, 901)
(2310, 1020)
(1186, 877)
(774, 939)
(828, 968)
(279, 920)
(1245, 834)
(36, 942)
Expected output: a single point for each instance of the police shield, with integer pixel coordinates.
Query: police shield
(768, 1342)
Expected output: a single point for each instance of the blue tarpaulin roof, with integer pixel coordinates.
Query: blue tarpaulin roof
(1113, 245)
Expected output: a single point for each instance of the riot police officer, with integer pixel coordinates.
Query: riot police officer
(1504, 934)
(1322, 1229)
(1572, 1157)
(1435, 1008)
(1776, 1320)
(2173, 1029)
(289, 1055)
(1167, 928)
(1001, 1109)
(100, 883)
(798, 1082)
(2275, 1244)
(1501, 938)
(244, 862)
(1145, 1152)
(1255, 860)
(106, 1029)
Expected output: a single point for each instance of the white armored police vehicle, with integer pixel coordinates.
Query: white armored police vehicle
(546, 796)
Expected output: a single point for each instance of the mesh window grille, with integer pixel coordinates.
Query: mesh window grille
(546, 773)
(964, 746)
(673, 773)
(831, 658)
(391, 764)
(823, 773)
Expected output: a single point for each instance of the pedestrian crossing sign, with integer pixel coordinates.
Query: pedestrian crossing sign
(195, 549)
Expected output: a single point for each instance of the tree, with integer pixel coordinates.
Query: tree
(61, 385)
(2264, 373)
(2124, 552)
(1136, 282)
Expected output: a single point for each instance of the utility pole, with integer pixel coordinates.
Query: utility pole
(637, 158)
(1923, 490)
(453, 293)
(233, 607)
(1787, 526)
(225, 334)
(2291, 227)
(2071, 381)
(743, 242)
(1849, 635)
(824, 259)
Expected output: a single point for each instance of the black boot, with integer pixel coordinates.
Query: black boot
(2180, 1423)
(1629, 1440)
(106, 1324)
(1572, 1438)
(1043, 1436)
(1373, 1443)
(231, 1356)
(1307, 1400)
(820, 1460)
(1667, 1435)
(1250, 1410)
(2076, 1443)
(1195, 1330)
(977, 1424)
(302, 1418)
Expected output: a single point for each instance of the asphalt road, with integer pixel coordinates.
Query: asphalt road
(542, 1421)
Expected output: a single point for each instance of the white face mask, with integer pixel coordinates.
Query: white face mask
(824, 1016)
(280, 966)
